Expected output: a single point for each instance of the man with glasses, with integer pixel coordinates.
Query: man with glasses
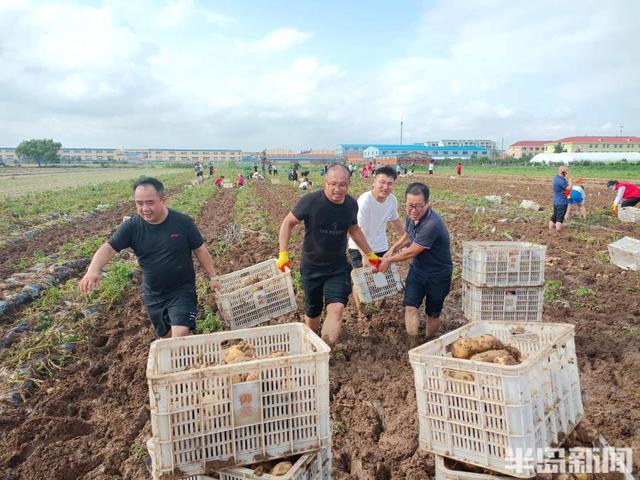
(329, 215)
(376, 208)
(428, 246)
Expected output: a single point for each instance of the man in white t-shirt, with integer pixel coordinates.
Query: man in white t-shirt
(376, 208)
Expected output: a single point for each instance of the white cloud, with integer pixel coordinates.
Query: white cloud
(183, 74)
(279, 40)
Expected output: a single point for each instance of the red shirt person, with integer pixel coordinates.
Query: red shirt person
(218, 181)
(459, 169)
(628, 194)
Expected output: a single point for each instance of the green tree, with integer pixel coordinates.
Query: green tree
(558, 148)
(42, 151)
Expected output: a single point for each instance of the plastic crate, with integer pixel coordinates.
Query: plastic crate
(445, 473)
(370, 287)
(629, 214)
(480, 413)
(203, 418)
(312, 466)
(243, 306)
(309, 466)
(625, 253)
(503, 264)
(521, 304)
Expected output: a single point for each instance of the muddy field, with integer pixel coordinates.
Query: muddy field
(91, 420)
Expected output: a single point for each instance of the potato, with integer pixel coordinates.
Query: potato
(514, 352)
(281, 468)
(462, 348)
(583, 476)
(499, 357)
(458, 375)
(241, 348)
(251, 376)
(586, 434)
(484, 343)
(276, 354)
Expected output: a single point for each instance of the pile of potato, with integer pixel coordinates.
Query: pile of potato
(485, 348)
(244, 352)
(253, 279)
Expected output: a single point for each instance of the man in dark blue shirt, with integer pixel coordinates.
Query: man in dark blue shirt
(428, 245)
(560, 202)
(163, 241)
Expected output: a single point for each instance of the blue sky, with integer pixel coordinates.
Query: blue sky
(313, 74)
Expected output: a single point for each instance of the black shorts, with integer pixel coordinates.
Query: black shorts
(175, 309)
(559, 211)
(630, 202)
(433, 289)
(324, 286)
(356, 257)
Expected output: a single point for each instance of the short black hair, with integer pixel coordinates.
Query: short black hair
(154, 182)
(386, 170)
(417, 188)
(612, 183)
(335, 165)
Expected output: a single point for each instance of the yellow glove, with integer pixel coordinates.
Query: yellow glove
(283, 260)
(614, 209)
(374, 259)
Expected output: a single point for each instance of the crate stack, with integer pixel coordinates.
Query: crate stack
(503, 281)
(483, 414)
(211, 419)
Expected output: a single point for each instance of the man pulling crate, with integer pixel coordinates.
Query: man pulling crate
(376, 208)
(428, 246)
(163, 241)
(328, 215)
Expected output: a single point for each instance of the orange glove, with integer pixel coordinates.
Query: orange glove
(374, 259)
(283, 260)
(614, 210)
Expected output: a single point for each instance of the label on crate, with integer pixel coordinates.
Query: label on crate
(510, 301)
(380, 280)
(513, 264)
(246, 403)
(260, 298)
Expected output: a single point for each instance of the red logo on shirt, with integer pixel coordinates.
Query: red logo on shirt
(174, 235)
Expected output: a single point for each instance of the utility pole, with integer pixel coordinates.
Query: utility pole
(401, 124)
(621, 126)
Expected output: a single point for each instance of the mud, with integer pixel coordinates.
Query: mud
(90, 421)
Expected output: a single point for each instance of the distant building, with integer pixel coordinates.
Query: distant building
(368, 151)
(7, 156)
(488, 144)
(526, 147)
(595, 144)
(136, 155)
(306, 157)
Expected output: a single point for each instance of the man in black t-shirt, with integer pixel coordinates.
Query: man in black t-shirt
(162, 240)
(329, 215)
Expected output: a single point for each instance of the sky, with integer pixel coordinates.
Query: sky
(313, 74)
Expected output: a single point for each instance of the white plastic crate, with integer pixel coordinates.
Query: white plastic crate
(479, 412)
(625, 253)
(445, 473)
(522, 304)
(243, 305)
(629, 214)
(370, 287)
(311, 466)
(203, 418)
(308, 466)
(503, 264)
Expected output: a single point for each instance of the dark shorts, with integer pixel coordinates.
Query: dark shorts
(177, 309)
(630, 202)
(356, 257)
(559, 211)
(433, 289)
(322, 287)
